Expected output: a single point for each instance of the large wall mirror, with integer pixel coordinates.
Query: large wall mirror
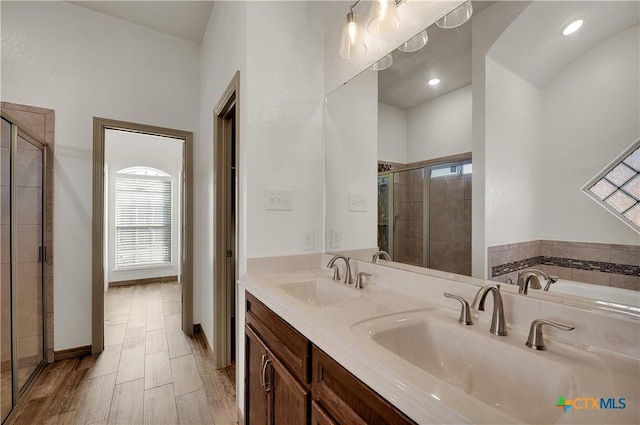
(469, 155)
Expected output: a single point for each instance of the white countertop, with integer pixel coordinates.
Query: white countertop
(418, 394)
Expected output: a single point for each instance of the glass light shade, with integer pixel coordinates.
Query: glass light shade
(384, 18)
(415, 43)
(457, 16)
(416, 3)
(351, 45)
(383, 63)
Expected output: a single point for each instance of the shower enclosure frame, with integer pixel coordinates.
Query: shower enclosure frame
(427, 166)
(18, 130)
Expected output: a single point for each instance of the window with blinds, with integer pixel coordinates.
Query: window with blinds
(143, 221)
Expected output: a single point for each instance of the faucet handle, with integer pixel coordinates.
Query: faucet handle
(535, 340)
(465, 312)
(552, 279)
(336, 272)
(359, 277)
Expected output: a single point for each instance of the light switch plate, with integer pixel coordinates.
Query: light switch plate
(278, 199)
(357, 202)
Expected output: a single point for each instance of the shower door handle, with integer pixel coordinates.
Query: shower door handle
(42, 254)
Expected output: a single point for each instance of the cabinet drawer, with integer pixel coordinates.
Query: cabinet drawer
(347, 399)
(319, 416)
(289, 345)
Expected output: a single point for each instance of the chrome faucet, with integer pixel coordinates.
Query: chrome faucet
(347, 278)
(524, 279)
(381, 254)
(498, 324)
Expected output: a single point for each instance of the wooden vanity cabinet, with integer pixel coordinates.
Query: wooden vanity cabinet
(278, 387)
(319, 416)
(284, 387)
(347, 399)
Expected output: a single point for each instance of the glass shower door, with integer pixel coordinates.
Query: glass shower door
(6, 366)
(28, 259)
(408, 216)
(22, 338)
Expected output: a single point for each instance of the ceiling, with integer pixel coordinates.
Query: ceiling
(532, 47)
(447, 56)
(183, 19)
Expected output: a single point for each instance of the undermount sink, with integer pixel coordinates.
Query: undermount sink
(320, 292)
(510, 378)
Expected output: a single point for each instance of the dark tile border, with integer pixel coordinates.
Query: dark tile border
(593, 266)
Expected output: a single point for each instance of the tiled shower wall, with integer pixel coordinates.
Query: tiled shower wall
(595, 263)
(450, 224)
(40, 122)
(408, 202)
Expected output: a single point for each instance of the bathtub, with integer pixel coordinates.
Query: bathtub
(604, 295)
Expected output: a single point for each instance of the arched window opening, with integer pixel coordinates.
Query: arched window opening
(143, 207)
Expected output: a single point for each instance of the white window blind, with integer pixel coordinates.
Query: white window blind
(143, 221)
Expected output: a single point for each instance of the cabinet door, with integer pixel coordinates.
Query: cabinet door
(290, 399)
(319, 416)
(257, 411)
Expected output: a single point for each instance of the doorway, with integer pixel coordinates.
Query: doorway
(226, 166)
(142, 226)
(23, 255)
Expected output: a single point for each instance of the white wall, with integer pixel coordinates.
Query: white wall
(440, 127)
(351, 157)
(226, 32)
(126, 149)
(591, 114)
(283, 138)
(486, 29)
(392, 133)
(513, 126)
(83, 64)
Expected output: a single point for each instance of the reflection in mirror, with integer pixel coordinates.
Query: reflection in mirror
(537, 112)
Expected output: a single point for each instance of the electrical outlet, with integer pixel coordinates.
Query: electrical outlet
(307, 240)
(336, 238)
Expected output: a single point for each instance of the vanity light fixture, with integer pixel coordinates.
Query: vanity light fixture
(572, 26)
(457, 16)
(351, 45)
(384, 18)
(434, 81)
(416, 3)
(415, 43)
(383, 63)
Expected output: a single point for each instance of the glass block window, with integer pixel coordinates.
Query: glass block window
(617, 187)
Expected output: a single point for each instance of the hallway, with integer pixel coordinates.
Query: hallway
(149, 373)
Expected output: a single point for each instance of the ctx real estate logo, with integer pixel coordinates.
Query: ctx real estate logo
(590, 403)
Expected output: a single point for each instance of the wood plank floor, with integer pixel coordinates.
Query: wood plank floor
(149, 373)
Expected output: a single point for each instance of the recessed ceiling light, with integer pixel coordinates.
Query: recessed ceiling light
(433, 81)
(572, 27)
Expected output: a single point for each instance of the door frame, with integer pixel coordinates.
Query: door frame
(228, 104)
(97, 271)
